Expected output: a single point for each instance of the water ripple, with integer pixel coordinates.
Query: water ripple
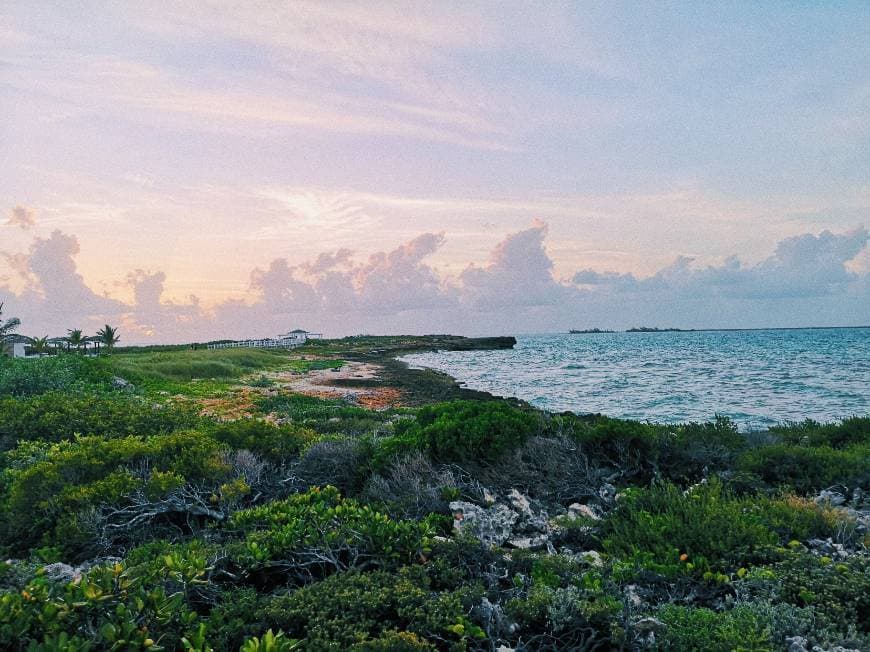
(758, 378)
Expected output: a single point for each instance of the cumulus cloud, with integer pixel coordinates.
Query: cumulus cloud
(808, 279)
(803, 266)
(55, 294)
(22, 217)
(519, 273)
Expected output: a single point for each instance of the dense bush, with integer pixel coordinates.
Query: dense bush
(45, 500)
(547, 468)
(464, 431)
(114, 606)
(56, 416)
(695, 450)
(707, 529)
(689, 629)
(561, 603)
(630, 446)
(274, 443)
(316, 533)
(61, 372)
(849, 432)
(837, 591)
(412, 486)
(366, 611)
(808, 469)
(340, 461)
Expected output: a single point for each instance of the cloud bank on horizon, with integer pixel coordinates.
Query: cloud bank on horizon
(807, 277)
(209, 169)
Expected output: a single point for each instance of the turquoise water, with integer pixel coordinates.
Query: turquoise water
(758, 378)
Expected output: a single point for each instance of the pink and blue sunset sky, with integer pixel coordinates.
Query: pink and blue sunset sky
(200, 170)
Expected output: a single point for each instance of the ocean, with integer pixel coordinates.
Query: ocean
(757, 378)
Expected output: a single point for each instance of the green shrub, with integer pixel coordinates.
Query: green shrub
(837, 591)
(44, 499)
(569, 604)
(316, 533)
(365, 611)
(56, 416)
(394, 641)
(233, 619)
(807, 469)
(115, 606)
(465, 431)
(855, 430)
(275, 443)
(60, 372)
(689, 629)
(716, 530)
(631, 446)
(270, 642)
(694, 450)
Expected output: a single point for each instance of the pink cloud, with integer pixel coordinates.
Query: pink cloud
(398, 291)
(22, 217)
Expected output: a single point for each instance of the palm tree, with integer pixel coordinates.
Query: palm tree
(75, 339)
(108, 337)
(38, 345)
(7, 328)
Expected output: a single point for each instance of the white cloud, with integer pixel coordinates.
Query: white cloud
(806, 280)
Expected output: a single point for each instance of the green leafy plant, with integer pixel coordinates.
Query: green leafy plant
(808, 469)
(696, 629)
(706, 528)
(58, 415)
(362, 611)
(316, 533)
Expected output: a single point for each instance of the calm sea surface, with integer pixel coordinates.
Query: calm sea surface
(758, 378)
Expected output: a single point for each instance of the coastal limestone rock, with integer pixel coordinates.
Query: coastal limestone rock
(796, 644)
(494, 620)
(647, 628)
(522, 524)
(649, 624)
(491, 525)
(607, 493)
(828, 547)
(830, 497)
(632, 597)
(578, 510)
(121, 384)
(529, 543)
(530, 520)
(60, 572)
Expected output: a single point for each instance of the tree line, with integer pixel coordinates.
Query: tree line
(75, 339)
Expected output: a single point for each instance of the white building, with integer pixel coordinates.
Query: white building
(289, 340)
(299, 336)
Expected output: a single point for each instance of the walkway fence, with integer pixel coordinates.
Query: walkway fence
(289, 343)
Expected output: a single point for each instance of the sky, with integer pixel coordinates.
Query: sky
(199, 170)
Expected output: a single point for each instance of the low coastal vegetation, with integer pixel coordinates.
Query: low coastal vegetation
(132, 517)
